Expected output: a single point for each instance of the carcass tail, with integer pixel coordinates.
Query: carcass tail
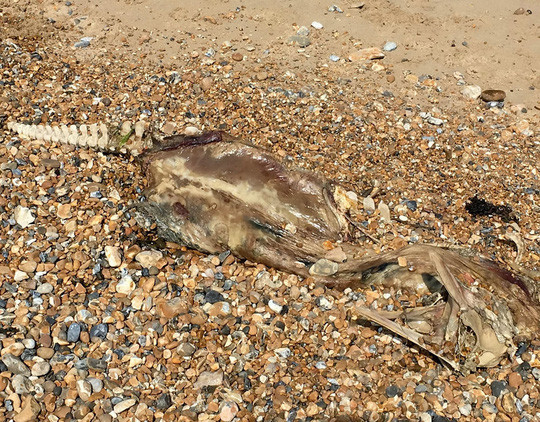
(108, 138)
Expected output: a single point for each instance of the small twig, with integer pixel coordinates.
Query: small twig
(364, 231)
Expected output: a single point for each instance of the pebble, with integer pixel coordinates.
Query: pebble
(29, 343)
(83, 43)
(97, 364)
(324, 267)
(372, 53)
(164, 401)
(172, 307)
(40, 368)
(490, 408)
(186, 349)
(300, 40)
(368, 204)
(493, 95)
(303, 31)
(465, 410)
(336, 255)
(28, 266)
(390, 46)
(20, 275)
(126, 285)
(471, 92)
(337, 9)
(317, 25)
(519, 11)
(96, 384)
(14, 349)
(213, 296)
(435, 121)
(45, 288)
(113, 255)
(73, 332)
(208, 379)
(392, 391)
(237, 57)
(15, 366)
(385, 212)
(84, 388)
(188, 131)
(228, 411)
(124, 405)
(207, 83)
(324, 303)
(21, 384)
(334, 58)
(64, 211)
(23, 216)
(149, 258)
(99, 331)
(276, 307)
(45, 352)
(283, 352)
(30, 410)
(514, 380)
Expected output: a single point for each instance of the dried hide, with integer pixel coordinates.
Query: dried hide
(215, 194)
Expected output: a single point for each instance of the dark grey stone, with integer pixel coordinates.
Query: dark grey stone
(497, 387)
(100, 331)
(73, 333)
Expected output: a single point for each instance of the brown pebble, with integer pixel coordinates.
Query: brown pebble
(207, 83)
(45, 340)
(520, 11)
(238, 57)
(493, 95)
(30, 410)
(515, 380)
(171, 308)
(50, 163)
(391, 78)
(366, 54)
(45, 352)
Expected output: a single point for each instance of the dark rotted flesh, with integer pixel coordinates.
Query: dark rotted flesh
(222, 194)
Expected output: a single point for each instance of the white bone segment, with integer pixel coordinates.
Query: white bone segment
(65, 133)
(83, 140)
(103, 141)
(32, 132)
(126, 128)
(48, 132)
(139, 129)
(40, 132)
(73, 137)
(93, 139)
(56, 134)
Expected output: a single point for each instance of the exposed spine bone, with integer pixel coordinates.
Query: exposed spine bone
(93, 136)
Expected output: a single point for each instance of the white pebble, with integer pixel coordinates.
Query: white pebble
(276, 307)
